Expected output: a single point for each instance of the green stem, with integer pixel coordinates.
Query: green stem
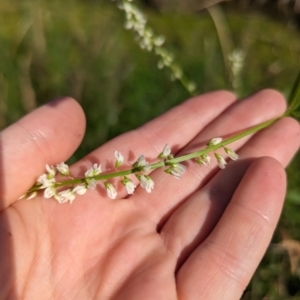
(294, 98)
(223, 143)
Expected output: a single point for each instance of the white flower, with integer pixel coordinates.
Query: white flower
(129, 185)
(214, 141)
(63, 169)
(45, 181)
(191, 87)
(49, 192)
(79, 189)
(231, 153)
(221, 161)
(149, 41)
(176, 170)
(51, 171)
(203, 160)
(146, 182)
(65, 196)
(111, 191)
(42, 178)
(165, 153)
(94, 171)
(141, 164)
(141, 161)
(90, 183)
(159, 40)
(119, 159)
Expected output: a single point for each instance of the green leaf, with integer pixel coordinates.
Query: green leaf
(294, 98)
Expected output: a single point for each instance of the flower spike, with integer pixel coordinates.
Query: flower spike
(65, 190)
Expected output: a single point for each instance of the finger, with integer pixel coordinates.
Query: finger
(177, 126)
(221, 267)
(48, 135)
(253, 110)
(193, 221)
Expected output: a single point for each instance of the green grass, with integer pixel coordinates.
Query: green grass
(54, 48)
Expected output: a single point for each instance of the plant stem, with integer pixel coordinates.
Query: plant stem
(224, 143)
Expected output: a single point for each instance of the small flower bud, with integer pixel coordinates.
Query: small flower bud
(141, 164)
(94, 171)
(28, 196)
(221, 161)
(129, 185)
(49, 192)
(79, 189)
(51, 171)
(231, 153)
(119, 159)
(63, 169)
(165, 153)
(214, 141)
(176, 170)
(203, 160)
(111, 192)
(32, 195)
(23, 196)
(146, 182)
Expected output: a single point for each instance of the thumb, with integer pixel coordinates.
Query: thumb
(48, 135)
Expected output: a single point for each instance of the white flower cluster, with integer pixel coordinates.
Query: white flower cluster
(149, 41)
(205, 159)
(136, 21)
(65, 190)
(52, 188)
(48, 183)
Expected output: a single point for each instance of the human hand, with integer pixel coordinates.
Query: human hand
(198, 238)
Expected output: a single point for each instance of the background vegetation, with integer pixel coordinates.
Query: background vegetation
(81, 49)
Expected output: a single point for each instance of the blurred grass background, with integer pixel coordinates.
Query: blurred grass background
(81, 49)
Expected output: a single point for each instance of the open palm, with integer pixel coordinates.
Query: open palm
(200, 237)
